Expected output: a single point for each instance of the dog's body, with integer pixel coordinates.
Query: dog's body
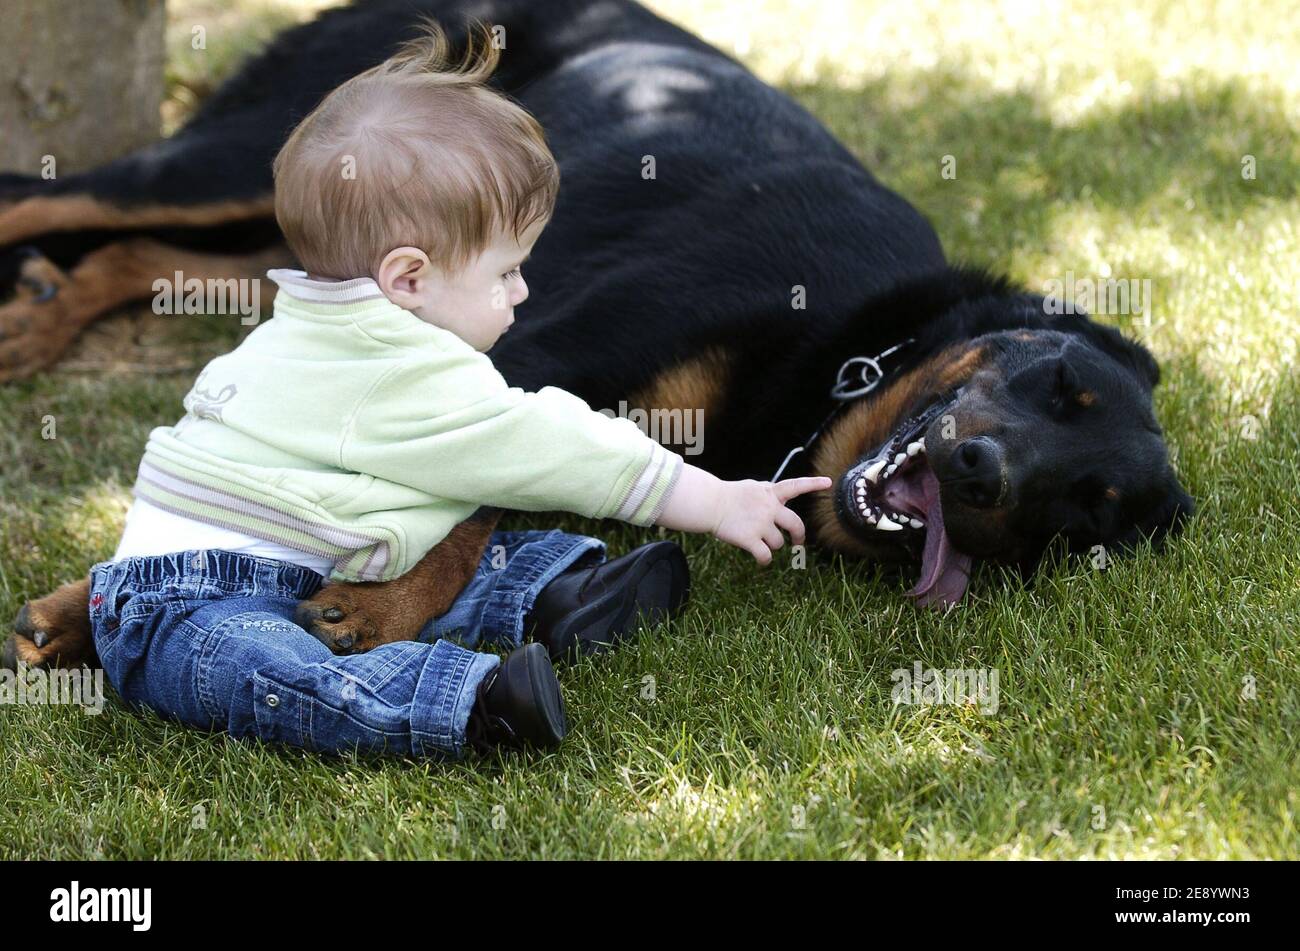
(714, 251)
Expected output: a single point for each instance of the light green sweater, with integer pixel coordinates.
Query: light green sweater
(348, 427)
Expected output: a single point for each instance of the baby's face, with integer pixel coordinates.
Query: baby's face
(478, 303)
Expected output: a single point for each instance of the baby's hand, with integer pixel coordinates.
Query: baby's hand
(754, 513)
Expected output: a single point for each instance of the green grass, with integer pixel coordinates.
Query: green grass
(1091, 139)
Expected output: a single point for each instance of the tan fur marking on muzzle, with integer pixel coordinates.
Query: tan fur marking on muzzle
(870, 422)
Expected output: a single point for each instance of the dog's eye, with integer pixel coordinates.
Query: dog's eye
(1095, 496)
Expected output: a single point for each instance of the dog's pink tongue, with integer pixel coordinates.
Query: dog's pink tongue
(945, 571)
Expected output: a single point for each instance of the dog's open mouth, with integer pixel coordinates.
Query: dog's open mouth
(896, 493)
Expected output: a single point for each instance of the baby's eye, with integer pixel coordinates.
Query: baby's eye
(514, 272)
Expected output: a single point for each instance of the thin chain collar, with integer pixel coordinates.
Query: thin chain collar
(847, 390)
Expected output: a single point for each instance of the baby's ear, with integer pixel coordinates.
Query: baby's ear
(400, 271)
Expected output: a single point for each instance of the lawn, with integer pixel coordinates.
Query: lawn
(1147, 710)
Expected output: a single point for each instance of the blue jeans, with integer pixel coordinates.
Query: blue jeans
(207, 637)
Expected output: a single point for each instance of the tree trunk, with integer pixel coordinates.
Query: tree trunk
(80, 82)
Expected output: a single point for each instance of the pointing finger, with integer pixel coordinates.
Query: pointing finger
(787, 489)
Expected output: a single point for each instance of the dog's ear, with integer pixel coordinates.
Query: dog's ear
(1128, 353)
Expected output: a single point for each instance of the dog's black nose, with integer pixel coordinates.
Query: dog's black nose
(976, 472)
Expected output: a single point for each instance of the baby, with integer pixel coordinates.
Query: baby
(349, 435)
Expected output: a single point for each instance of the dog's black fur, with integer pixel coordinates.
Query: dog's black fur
(751, 198)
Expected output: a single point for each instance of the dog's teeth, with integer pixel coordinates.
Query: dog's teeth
(889, 525)
(914, 448)
(872, 515)
(900, 458)
(916, 523)
(873, 471)
(890, 471)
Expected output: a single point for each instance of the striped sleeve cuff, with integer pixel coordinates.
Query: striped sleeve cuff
(645, 500)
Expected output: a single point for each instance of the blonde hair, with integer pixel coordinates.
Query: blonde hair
(438, 160)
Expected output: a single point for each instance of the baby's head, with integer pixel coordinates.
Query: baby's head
(419, 175)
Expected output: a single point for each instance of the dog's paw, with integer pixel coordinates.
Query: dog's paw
(53, 631)
(339, 617)
(35, 328)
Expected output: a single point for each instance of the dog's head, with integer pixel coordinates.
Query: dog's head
(997, 446)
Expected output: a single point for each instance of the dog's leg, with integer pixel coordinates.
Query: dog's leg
(15, 186)
(354, 617)
(50, 307)
(53, 631)
(31, 217)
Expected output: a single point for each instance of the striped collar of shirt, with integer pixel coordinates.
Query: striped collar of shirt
(298, 285)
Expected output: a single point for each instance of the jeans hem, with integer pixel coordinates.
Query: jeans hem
(445, 695)
(507, 612)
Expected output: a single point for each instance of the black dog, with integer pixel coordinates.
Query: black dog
(714, 250)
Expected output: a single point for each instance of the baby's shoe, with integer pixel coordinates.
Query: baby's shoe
(587, 609)
(518, 704)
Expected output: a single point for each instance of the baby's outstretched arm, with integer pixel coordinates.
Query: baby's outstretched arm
(748, 514)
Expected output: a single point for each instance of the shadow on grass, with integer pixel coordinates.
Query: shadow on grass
(1015, 165)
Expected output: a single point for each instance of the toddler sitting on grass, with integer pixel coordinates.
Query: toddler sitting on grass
(352, 433)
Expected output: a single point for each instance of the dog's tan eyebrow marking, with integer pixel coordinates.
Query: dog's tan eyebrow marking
(1112, 493)
(1086, 398)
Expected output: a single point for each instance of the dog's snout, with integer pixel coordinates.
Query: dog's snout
(976, 472)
